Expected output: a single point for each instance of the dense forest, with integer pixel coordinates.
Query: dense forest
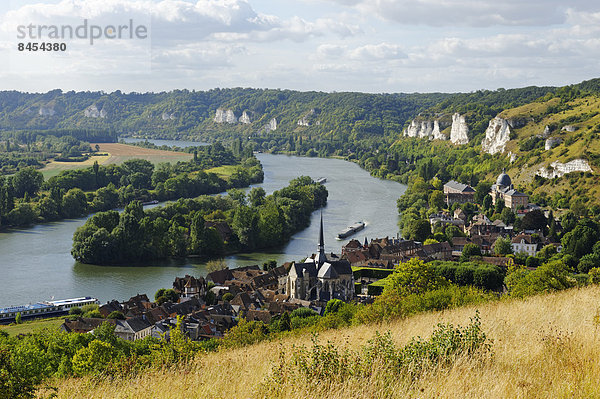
(205, 226)
(25, 198)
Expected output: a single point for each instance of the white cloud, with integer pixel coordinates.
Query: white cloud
(478, 13)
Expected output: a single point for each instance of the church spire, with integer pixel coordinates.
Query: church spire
(321, 246)
(321, 258)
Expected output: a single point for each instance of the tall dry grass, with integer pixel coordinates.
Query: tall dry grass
(544, 347)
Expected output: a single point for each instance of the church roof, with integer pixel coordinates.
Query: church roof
(503, 180)
(327, 271)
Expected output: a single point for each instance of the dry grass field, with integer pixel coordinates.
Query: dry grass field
(117, 154)
(543, 347)
(120, 153)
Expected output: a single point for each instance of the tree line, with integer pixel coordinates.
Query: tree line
(204, 226)
(25, 198)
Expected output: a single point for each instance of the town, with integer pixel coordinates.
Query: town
(207, 307)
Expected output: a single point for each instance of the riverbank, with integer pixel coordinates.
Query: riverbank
(38, 264)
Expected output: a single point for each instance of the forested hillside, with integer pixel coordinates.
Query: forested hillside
(469, 137)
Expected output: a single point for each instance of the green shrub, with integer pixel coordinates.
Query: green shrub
(321, 365)
(75, 311)
(464, 274)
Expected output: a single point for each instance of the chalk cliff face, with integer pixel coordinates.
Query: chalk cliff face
(496, 136)
(272, 125)
(166, 116)
(459, 134)
(46, 111)
(306, 119)
(225, 116)
(425, 129)
(245, 118)
(93, 112)
(552, 142)
(558, 169)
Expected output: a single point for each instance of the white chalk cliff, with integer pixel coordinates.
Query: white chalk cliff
(93, 112)
(558, 169)
(225, 116)
(496, 136)
(245, 118)
(424, 129)
(46, 111)
(459, 133)
(272, 125)
(166, 116)
(305, 120)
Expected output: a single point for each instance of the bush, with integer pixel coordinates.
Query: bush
(75, 311)
(116, 315)
(588, 262)
(464, 275)
(323, 365)
(594, 276)
(227, 297)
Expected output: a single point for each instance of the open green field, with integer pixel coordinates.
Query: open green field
(224, 172)
(32, 326)
(54, 168)
(117, 154)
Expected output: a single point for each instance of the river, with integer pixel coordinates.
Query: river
(36, 264)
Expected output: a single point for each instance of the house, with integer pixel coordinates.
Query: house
(504, 190)
(109, 307)
(438, 251)
(456, 192)
(320, 278)
(525, 243)
(189, 286)
(83, 325)
(133, 329)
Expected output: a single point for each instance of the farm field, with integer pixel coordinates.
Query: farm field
(32, 326)
(120, 153)
(117, 154)
(224, 172)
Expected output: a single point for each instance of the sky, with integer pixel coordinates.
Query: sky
(377, 46)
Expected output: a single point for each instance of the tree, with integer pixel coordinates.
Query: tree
(166, 295)
(256, 196)
(116, 315)
(436, 200)
(481, 191)
(74, 203)
(417, 230)
(503, 246)
(534, 220)
(216, 265)
(468, 251)
(27, 181)
(588, 262)
(508, 216)
(18, 318)
(580, 241)
(499, 205)
(413, 277)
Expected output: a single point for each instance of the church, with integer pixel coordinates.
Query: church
(504, 189)
(319, 278)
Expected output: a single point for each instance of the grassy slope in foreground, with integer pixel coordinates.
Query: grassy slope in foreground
(546, 346)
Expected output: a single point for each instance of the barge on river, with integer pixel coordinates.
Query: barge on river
(358, 226)
(44, 309)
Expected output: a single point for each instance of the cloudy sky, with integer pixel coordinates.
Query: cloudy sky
(325, 45)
